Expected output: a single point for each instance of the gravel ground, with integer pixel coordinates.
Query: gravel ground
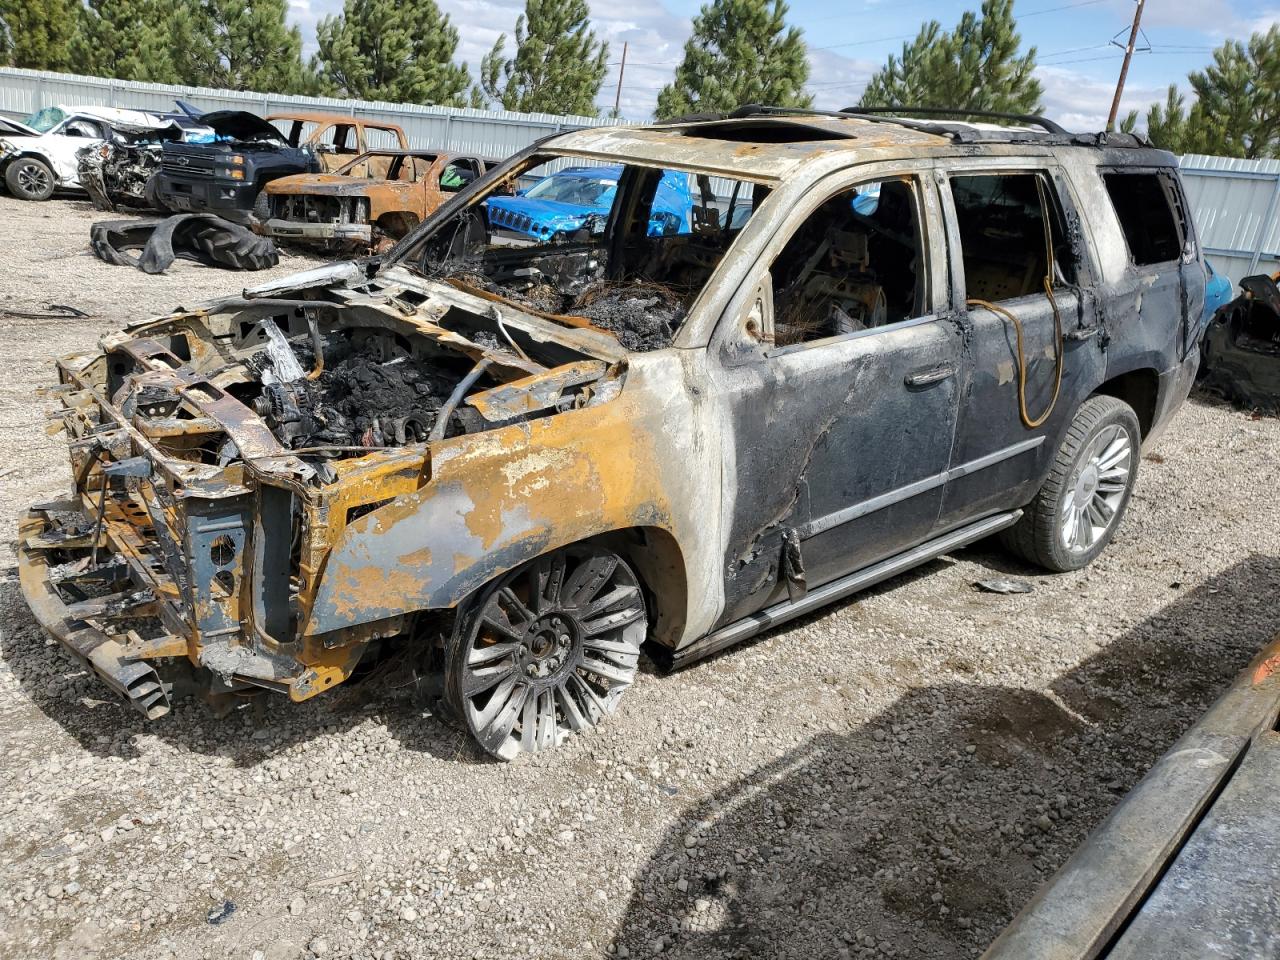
(891, 778)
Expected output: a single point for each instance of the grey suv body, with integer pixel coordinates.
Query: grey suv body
(876, 341)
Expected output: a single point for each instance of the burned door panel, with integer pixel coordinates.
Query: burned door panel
(1014, 252)
(843, 425)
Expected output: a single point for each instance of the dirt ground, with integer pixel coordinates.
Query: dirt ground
(893, 777)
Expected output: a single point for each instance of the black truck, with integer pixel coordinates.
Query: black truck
(227, 176)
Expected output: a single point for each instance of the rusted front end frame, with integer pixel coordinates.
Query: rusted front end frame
(160, 559)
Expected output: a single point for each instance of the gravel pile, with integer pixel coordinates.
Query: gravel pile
(891, 778)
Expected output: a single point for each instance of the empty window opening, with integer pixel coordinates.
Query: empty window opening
(853, 265)
(765, 131)
(1149, 208)
(1009, 229)
(626, 247)
(457, 173)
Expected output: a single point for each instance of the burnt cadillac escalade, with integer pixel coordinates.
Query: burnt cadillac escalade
(516, 459)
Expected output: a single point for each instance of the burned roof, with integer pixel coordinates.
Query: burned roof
(766, 145)
(760, 149)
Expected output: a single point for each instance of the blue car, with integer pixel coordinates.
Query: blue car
(564, 200)
(1217, 291)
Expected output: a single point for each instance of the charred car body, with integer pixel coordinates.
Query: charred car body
(229, 176)
(376, 198)
(522, 459)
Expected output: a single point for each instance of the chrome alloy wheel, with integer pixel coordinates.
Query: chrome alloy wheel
(1096, 488)
(33, 177)
(549, 652)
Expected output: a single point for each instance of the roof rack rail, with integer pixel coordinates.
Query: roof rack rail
(1026, 118)
(876, 115)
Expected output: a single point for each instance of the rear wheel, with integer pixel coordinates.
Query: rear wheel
(1076, 512)
(30, 178)
(546, 651)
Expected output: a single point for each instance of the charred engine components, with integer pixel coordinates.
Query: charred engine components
(201, 237)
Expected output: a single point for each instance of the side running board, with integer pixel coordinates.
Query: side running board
(839, 589)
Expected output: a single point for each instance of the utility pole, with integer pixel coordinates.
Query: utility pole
(622, 68)
(1124, 67)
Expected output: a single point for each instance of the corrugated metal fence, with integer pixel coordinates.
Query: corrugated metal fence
(496, 133)
(1235, 204)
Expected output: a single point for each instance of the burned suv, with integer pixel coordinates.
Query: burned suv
(517, 459)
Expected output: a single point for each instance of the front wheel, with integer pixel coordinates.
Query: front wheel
(29, 178)
(1075, 513)
(262, 206)
(546, 650)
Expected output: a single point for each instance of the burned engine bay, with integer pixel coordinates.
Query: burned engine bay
(332, 380)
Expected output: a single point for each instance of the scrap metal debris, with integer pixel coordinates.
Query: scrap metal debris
(221, 913)
(1003, 585)
(1240, 352)
(201, 237)
(52, 311)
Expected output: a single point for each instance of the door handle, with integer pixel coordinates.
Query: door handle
(925, 378)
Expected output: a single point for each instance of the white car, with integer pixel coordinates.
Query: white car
(38, 155)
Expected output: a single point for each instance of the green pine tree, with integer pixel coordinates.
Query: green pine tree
(1236, 112)
(741, 51)
(235, 45)
(396, 50)
(1170, 125)
(125, 40)
(977, 66)
(36, 34)
(1238, 98)
(558, 64)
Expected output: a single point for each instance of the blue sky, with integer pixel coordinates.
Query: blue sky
(1078, 64)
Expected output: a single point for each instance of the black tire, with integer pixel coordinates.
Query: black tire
(225, 244)
(1054, 532)
(151, 197)
(30, 178)
(262, 206)
(545, 650)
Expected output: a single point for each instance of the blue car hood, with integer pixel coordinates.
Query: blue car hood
(544, 213)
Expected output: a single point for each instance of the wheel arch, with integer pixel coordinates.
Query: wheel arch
(1140, 389)
(396, 223)
(658, 562)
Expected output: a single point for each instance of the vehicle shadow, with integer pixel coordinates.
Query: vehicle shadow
(102, 724)
(264, 725)
(923, 831)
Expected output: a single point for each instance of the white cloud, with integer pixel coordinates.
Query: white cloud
(654, 37)
(1080, 102)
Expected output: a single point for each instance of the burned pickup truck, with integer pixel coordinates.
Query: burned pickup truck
(515, 459)
(370, 202)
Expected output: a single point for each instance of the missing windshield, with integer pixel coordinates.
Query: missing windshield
(624, 247)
